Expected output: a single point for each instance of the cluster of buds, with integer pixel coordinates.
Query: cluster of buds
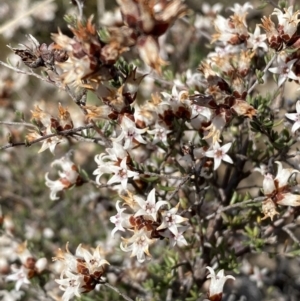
(89, 57)
(68, 177)
(225, 72)
(277, 191)
(81, 272)
(30, 267)
(40, 55)
(47, 125)
(148, 222)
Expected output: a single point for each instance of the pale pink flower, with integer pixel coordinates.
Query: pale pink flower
(219, 153)
(289, 199)
(214, 9)
(176, 239)
(170, 220)
(284, 70)
(41, 264)
(257, 40)
(68, 176)
(295, 117)
(72, 285)
(138, 244)
(160, 134)
(120, 219)
(55, 187)
(130, 133)
(20, 276)
(149, 207)
(258, 276)
(49, 142)
(122, 174)
(92, 261)
(106, 161)
(210, 12)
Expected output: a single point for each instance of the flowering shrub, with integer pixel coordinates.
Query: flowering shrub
(172, 160)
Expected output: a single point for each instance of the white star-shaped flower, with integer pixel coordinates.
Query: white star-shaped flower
(170, 220)
(139, 244)
(130, 133)
(119, 219)
(122, 173)
(20, 276)
(284, 70)
(149, 207)
(72, 285)
(219, 153)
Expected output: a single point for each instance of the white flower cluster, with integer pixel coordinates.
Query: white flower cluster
(147, 223)
(81, 272)
(29, 268)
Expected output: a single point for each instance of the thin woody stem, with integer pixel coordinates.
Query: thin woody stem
(80, 8)
(153, 174)
(60, 133)
(264, 71)
(241, 204)
(287, 228)
(78, 99)
(118, 292)
(31, 73)
(11, 123)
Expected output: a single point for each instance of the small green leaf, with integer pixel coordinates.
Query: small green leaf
(149, 179)
(166, 188)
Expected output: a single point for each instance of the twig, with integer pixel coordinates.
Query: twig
(118, 292)
(286, 229)
(108, 142)
(60, 133)
(80, 8)
(100, 8)
(184, 180)
(153, 174)
(78, 99)
(80, 137)
(241, 204)
(265, 70)
(17, 123)
(272, 3)
(26, 72)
